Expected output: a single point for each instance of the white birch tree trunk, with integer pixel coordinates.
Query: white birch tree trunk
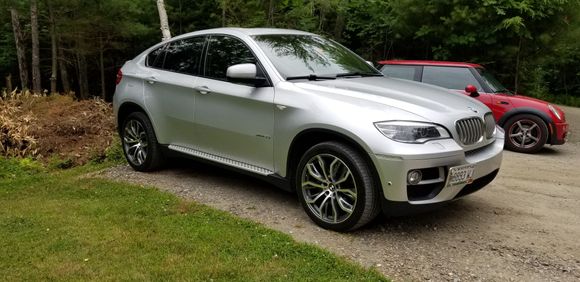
(165, 32)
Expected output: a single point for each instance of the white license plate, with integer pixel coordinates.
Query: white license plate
(459, 175)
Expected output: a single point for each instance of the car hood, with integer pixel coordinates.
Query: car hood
(520, 100)
(430, 102)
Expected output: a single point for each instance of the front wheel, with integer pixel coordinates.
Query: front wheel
(140, 145)
(525, 133)
(336, 188)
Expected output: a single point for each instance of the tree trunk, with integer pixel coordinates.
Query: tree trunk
(83, 76)
(271, 10)
(36, 84)
(102, 66)
(517, 74)
(63, 68)
(20, 49)
(54, 49)
(339, 25)
(224, 4)
(165, 32)
(64, 76)
(9, 83)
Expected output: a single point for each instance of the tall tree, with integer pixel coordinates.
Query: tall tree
(53, 48)
(20, 48)
(36, 79)
(165, 32)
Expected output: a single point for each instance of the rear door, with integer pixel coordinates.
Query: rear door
(169, 89)
(234, 122)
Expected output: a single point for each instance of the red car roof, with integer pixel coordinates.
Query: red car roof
(429, 63)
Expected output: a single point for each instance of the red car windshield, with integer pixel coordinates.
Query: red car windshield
(492, 82)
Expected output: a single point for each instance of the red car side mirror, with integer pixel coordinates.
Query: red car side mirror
(472, 90)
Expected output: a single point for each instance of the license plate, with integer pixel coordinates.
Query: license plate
(459, 175)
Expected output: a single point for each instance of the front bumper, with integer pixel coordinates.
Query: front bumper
(560, 133)
(393, 172)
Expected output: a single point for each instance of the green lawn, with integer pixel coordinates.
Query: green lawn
(61, 226)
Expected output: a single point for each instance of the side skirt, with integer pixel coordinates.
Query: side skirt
(232, 165)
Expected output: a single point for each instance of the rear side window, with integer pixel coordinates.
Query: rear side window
(155, 58)
(223, 52)
(184, 56)
(403, 72)
(450, 77)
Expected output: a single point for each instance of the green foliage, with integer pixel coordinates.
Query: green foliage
(114, 154)
(56, 162)
(7, 55)
(534, 40)
(16, 168)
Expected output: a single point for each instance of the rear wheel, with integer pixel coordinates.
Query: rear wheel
(525, 133)
(140, 145)
(336, 188)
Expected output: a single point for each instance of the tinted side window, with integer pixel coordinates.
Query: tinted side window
(223, 52)
(184, 56)
(449, 77)
(156, 57)
(403, 72)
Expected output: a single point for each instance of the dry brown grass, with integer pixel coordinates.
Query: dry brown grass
(57, 126)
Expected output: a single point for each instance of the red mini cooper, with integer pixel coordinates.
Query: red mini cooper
(529, 123)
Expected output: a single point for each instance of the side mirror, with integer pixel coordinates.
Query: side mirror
(471, 90)
(245, 74)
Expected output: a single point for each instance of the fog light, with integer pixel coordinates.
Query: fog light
(414, 177)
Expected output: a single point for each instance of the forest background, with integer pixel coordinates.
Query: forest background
(533, 46)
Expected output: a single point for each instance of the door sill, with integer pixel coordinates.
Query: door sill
(221, 160)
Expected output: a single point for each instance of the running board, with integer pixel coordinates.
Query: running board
(221, 160)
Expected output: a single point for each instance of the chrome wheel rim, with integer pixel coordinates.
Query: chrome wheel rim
(525, 133)
(135, 142)
(329, 188)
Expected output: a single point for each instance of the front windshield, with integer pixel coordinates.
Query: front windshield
(492, 82)
(296, 55)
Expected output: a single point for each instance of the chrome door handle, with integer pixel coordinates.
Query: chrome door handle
(151, 79)
(203, 90)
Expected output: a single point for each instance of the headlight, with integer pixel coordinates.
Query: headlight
(554, 111)
(411, 132)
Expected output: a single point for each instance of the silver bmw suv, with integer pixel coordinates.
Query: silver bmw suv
(310, 116)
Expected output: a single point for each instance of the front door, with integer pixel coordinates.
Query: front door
(234, 122)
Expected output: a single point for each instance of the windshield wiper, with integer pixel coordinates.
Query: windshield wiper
(310, 77)
(356, 73)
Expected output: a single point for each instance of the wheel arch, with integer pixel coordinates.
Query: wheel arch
(530, 111)
(125, 110)
(312, 136)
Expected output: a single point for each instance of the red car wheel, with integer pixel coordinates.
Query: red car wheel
(525, 133)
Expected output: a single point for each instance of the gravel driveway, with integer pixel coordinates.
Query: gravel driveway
(525, 226)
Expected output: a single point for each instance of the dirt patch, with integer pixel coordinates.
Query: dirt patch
(56, 127)
(523, 227)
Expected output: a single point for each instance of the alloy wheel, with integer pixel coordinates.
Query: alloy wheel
(329, 188)
(525, 133)
(135, 142)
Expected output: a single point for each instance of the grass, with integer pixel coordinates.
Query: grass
(62, 226)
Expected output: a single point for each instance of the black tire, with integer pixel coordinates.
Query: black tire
(365, 205)
(153, 158)
(525, 133)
